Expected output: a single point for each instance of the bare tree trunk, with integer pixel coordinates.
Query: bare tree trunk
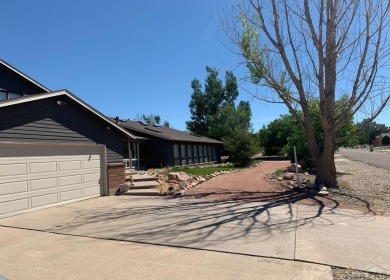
(326, 171)
(326, 168)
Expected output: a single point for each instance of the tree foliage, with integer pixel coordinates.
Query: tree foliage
(151, 119)
(282, 134)
(206, 104)
(240, 146)
(317, 50)
(215, 115)
(369, 131)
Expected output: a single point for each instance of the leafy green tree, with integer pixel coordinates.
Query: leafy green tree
(228, 119)
(282, 134)
(204, 105)
(274, 137)
(215, 115)
(241, 146)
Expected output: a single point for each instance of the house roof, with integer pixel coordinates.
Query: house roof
(24, 76)
(40, 96)
(166, 133)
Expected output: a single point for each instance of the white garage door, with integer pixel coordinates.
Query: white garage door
(38, 176)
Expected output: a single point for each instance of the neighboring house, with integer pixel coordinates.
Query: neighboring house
(169, 147)
(54, 148)
(379, 138)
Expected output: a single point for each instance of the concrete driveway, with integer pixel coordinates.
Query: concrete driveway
(245, 232)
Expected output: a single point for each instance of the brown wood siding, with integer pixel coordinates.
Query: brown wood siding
(45, 121)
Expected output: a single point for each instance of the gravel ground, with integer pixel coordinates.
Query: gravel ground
(350, 274)
(363, 187)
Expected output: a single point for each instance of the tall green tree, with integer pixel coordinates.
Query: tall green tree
(229, 119)
(324, 50)
(207, 103)
(215, 115)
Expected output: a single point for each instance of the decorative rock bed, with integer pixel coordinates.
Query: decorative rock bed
(289, 180)
(176, 183)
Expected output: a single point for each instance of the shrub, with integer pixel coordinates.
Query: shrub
(240, 147)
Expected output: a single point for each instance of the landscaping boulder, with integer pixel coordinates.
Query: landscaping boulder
(183, 185)
(178, 176)
(306, 181)
(322, 188)
(323, 193)
(291, 168)
(288, 176)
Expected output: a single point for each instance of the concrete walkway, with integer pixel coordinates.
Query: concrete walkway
(222, 233)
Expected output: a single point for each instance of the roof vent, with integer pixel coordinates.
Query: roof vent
(156, 125)
(143, 123)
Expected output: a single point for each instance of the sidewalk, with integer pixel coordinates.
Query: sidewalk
(39, 255)
(236, 229)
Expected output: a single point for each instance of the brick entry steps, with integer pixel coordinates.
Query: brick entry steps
(144, 185)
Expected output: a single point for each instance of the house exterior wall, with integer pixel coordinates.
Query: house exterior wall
(43, 121)
(115, 176)
(159, 152)
(193, 153)
(16, 84)
(379, 138)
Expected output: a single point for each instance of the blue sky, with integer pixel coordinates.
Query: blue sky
(125, 57)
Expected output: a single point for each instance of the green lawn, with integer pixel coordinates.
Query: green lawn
(203, 171)
(198, 171)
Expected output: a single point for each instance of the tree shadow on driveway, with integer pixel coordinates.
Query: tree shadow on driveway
(249, 226)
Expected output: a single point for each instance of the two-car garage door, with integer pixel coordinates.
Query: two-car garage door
(37, 176)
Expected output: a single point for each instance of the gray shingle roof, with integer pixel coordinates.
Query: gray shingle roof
(165, 132)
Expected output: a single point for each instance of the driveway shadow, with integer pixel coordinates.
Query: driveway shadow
(263, 227)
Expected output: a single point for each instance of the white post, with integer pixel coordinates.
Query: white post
(296, 167)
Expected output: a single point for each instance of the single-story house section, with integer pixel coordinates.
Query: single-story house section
(168, 147)
(54, 148)
(379, 139)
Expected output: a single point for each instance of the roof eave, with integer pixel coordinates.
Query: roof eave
(20, 73)
(41, 96)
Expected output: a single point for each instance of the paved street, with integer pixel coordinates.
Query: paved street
(378, 159)
(184, 233)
